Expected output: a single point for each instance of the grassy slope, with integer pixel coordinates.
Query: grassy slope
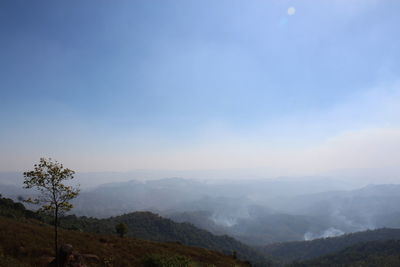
(31, 242)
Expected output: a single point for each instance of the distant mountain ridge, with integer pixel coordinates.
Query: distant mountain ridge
(304, 250)
(253, 212)
(150, 226)
(365, 254)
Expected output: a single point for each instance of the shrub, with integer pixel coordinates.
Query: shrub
(155, 260)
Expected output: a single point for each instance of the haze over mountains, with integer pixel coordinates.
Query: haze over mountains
(254, 211)
(343, 178)
(257, 129)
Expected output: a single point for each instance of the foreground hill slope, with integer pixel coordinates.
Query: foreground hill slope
(31, 243)
(150, 226)
(141, 225)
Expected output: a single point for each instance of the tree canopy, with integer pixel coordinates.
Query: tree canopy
(48, 177)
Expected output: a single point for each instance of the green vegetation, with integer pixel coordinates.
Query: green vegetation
(368, 254)
(150, 226)
(31, 244)
(27, 237)
(11, 209)
(166, 261)
(121, 229)
(303, 250)
(28, 242)
(48, 177)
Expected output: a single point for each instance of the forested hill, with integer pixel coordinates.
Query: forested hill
(27, 242)
(302, 250)
(143, 225)
(150, 226)
(368, 254)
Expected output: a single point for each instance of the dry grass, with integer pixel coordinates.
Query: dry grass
(32, 243)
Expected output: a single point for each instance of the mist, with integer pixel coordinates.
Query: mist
(255, 211)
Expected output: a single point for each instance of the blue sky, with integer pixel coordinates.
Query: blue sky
(123, 85)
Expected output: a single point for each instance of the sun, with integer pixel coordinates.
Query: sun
(291, 11)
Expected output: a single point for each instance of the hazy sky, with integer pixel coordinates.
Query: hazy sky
(297, 86)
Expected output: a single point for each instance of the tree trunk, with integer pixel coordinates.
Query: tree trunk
(56, 236)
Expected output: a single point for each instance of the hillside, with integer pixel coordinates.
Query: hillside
(150, 226)
(25, 240)
(32, 242)
(142, 225)
(368, 254)
(302, 250)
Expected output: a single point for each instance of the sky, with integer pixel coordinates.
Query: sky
(298, 86)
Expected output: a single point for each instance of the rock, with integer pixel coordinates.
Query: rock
(46, 261)
(65, 251)
(71, 258)
(91, 258)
